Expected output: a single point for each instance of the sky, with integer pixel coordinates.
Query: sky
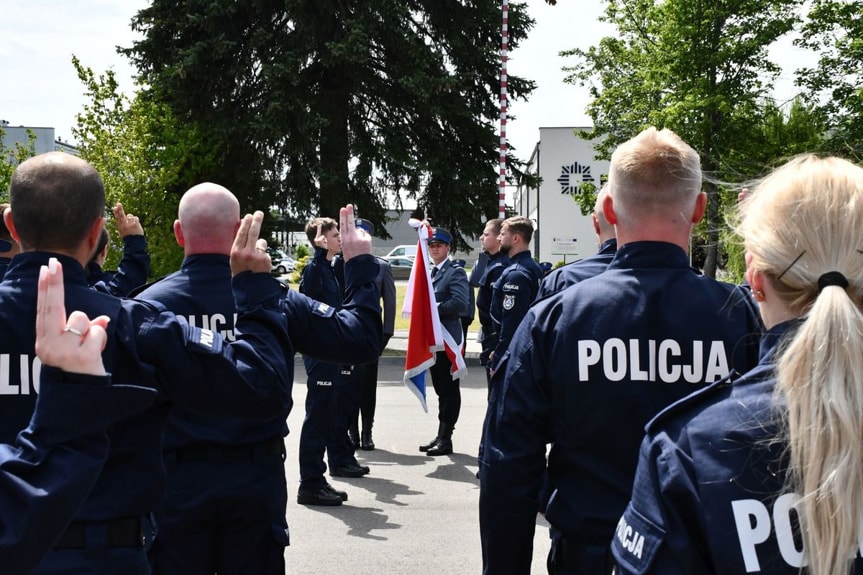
(39, 86)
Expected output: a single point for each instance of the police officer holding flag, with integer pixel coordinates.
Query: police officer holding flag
(591, 365)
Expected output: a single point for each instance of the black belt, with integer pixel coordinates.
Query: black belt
(216, 452)
(121, 532)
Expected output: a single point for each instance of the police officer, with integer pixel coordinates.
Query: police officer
(368, 393)
(148, 347)
(589, 366)
(497, 262)
(48, 472)
(572, 273)
(134, 267)
(517, 286)
(762, 473)
(8, 246)
(325, 426)
(210, 520)
(450, 291)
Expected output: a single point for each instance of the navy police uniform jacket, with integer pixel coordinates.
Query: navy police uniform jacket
(451, 294)
(50, 469)
(495, 266)
(709, 494)
(200, 292)
(4, 263)
(572, 273)
(322, 280)
(152, 348)
(512, 295)
(587, 369)
(132, 271)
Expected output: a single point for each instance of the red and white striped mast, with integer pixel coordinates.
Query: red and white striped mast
(504, 50)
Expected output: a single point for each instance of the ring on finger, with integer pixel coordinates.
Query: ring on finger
(73, 331)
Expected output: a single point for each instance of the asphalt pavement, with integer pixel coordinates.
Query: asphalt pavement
(412, 514)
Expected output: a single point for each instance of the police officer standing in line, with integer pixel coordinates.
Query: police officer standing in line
(777, 479)
(325, 428)
(134, 267)
(497, 262)
(49, 471)
(148, 347)
(514, 292)
(591, 365)
(450, 291)
(210, 520)
(8, 246)
(572, 273)
(368, 393)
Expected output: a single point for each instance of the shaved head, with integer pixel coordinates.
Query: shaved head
(208, 217)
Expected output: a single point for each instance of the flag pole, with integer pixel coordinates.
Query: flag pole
(504, 49)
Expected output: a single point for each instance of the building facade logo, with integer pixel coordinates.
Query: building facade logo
(572, 176)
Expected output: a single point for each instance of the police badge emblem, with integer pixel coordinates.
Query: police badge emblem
(508, 302)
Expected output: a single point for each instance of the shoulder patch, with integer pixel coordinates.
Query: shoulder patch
(508, 301)
(636, 541)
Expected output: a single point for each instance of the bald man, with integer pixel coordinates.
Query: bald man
(224, 510)
(572, 273)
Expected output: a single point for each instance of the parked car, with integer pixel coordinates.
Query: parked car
(282, 262)
(401, 267)
(403, 251)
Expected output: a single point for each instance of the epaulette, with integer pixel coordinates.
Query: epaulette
(703, 395)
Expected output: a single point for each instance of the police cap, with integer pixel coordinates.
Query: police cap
(440, 235)
(365, 225)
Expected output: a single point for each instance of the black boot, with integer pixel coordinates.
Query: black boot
(444, 444)
(433, 442)
(366, 442)
(354, 436)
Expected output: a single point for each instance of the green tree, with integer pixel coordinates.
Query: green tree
(317, 103)
(10, 157)
(698, 67)
(144, 155)
(834, 30)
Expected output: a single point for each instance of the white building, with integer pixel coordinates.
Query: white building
(44, 142)
(563, 161)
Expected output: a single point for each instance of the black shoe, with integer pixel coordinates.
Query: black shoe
(350, 470)
(429, 445)
(366, 441)
(320, 496)
(342, 494)
(443, 447)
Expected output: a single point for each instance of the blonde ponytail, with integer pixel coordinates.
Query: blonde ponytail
(800, 224)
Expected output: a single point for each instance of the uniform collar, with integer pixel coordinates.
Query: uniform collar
(772, 338)
(656, 255)
(521, 255)
(608, 247)
(202, 260)
(27, 264)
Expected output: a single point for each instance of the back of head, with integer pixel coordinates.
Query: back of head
(522, 226)
(55, 198)
(803, 229)
(209, 215)
(326, 224)
(655, 175)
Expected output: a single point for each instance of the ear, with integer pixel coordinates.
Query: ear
(178, 234)
(608, 210)
(754, 278)
(10, 225)
(94, 233)
(700, 207)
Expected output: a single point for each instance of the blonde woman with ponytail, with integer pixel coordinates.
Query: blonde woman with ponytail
(763, 473)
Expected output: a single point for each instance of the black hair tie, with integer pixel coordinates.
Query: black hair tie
(832, 279)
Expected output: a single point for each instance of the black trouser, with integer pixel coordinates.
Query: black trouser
(567, 557)
(447, 389)
(369, 395)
